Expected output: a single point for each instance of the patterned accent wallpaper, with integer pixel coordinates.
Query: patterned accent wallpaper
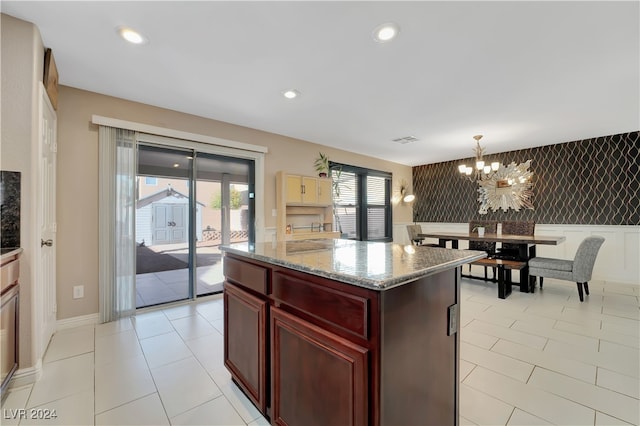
(592, 181)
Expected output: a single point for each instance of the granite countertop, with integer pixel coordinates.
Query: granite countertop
(373, 265)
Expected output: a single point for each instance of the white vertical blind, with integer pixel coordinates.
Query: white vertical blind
(117, 260)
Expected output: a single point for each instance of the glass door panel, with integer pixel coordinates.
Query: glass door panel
(224, 214)
(162, 225)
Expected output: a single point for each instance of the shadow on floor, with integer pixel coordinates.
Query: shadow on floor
(148, 261)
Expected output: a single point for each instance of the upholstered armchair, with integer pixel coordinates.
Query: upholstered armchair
(578, 270)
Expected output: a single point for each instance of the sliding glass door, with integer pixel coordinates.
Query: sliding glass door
(187, 204)
(224, 194)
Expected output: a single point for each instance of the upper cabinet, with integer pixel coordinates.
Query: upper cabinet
(324, 191)
(304, 207)
(302, 190)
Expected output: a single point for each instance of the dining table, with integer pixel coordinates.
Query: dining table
(526, 247)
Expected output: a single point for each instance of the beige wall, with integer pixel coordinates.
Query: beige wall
(22, 69)
(78, 178)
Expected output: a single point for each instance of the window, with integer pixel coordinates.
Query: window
(151, 180)
(362, 203)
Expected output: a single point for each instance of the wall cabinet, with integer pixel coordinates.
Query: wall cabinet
(302, 190)
(304, 207)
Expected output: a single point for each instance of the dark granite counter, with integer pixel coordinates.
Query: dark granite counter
(373, 265)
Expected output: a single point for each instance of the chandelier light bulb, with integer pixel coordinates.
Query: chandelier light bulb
(462, 168)
(487, 170)
(495, 166)
(479, 165)
(469, 171)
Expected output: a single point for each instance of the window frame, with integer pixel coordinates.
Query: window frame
(362, 206)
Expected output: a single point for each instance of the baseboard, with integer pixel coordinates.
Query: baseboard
(26, 376)
(90, 319)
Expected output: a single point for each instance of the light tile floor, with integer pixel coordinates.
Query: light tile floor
(532, 359)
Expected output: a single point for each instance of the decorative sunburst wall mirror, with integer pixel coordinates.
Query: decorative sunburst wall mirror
(508, 188)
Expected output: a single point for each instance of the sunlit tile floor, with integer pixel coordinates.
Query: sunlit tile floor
(542, 358)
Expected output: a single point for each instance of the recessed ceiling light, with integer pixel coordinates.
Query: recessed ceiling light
(132, 36)
(386, 32)
(291, 94)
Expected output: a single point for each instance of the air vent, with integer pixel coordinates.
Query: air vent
(405, 139)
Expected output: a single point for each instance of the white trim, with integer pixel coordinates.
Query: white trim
(617, 260)
(26, 376)
(179, 134)
(78, 321)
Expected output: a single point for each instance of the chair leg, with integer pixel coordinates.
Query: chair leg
(580, 292)
(486, 278)
(540, 283)
(586, 288)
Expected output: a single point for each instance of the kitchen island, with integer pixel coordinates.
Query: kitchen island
(341, 332)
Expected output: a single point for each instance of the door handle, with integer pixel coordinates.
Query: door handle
(47, 243)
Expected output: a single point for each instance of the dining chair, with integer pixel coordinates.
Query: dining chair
(413, 231)
(578, 270)
(511, 251)
(490, 227)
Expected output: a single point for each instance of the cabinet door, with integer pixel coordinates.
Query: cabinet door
(318, 378)
(324, 192)
(245, 320)
(293, 189)
(309, 190)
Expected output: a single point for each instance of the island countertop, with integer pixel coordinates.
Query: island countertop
(373, 265)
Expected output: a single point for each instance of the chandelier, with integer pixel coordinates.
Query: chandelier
(480, 171)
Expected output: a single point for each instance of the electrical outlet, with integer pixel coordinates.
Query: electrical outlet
(78, 292)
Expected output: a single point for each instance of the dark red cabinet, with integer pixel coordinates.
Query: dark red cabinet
(317, 377)
(245, 345)
(313, 351)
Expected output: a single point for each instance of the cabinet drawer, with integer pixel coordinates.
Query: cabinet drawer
(9, 274)
(248, 275)
(344, 311)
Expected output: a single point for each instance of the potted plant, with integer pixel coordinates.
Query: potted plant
(322, 165)
(480, 230)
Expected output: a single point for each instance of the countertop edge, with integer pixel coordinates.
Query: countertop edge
(372, 284)
(10, 254)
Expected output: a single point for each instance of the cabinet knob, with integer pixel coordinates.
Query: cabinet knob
(47, 243)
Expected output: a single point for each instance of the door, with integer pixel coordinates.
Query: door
(44, 296)
(245, 318)
(319, 371)
(309, 190)
(188, 204)
(224, 191)
(294, 189)
(324, 192)
(169, 223)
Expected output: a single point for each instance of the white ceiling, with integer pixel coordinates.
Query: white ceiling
(522, 73)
